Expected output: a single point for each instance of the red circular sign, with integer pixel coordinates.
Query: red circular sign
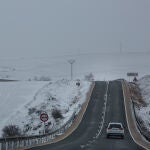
(44, 117)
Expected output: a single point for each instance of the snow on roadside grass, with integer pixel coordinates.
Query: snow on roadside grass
(62, 96)
(144, 112)
(14, 95)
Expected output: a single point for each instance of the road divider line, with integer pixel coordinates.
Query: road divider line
(104, 111)
(102, 119)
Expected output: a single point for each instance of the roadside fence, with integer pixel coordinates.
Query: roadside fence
(20, 143)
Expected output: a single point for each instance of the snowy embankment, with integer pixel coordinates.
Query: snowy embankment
(23, 102)
(143, 112)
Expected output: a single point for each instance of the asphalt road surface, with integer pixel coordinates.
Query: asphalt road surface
(84, 136)
(115, 113)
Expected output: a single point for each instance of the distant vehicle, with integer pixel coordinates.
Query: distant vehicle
(115, 129)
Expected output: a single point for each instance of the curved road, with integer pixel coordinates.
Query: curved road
(84, 136)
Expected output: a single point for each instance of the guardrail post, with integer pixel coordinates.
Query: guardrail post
(12, 144)
(6, 145)
(25, 142)
(18, 143)
(22, 144)
(29, 142)
(33, 141)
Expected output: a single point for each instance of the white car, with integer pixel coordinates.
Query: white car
(115, 129)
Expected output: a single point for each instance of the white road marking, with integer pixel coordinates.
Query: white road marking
(101, 124)
(104, 111)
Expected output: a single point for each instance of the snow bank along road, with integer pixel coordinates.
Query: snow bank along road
(89, 135)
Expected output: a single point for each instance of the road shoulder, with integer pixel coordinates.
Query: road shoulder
(135, 134)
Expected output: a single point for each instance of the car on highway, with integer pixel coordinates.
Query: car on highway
(115, 129)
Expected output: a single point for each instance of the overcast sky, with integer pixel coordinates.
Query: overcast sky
(57, 27)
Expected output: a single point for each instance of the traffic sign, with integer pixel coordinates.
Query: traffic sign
(44, 117)
(132, 74)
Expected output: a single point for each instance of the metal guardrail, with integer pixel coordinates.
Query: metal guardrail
(142, 129)
(17, 143)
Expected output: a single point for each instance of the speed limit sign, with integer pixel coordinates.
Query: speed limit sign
(44, 117)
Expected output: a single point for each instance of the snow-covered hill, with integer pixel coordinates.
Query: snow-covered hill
(144, 111)
(23, 102)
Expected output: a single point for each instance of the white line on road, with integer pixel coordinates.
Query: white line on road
(104, 111)
(101, 124)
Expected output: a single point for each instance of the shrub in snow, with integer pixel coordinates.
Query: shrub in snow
(34, 110)
(57, 114)
(11, 130)
(75, 100)
(31, 110)
(49, 97)
(89, 77)
(47, 127)
(38, 112)
(27, 127)
(42, 78)
(37, 127)
(43, 107)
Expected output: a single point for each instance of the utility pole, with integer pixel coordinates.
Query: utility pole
(71, 62)
(120, 47)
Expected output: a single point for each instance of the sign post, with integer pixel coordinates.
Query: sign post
(44, 118)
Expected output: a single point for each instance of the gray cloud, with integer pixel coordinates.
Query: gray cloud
(42, 28)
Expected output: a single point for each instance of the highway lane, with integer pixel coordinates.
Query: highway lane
(88, 127)
(115, 113)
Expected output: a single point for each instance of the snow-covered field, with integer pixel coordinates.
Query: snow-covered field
(14, 95)
(144, 112)
(22, 102)
(104, 66)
